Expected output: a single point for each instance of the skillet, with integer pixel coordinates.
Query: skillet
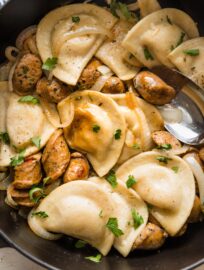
(185, 252)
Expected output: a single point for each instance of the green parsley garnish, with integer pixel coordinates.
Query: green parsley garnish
(165, 146)
(137, 219)
(40, 214)
(163, 159)
(75, 19)
(29, 99)
(36, 141)
(131, 181)
(117, 7)
(181, 39)
(101, 213)
(17, 160)
(45, 180)
(112, 225)
(4, 137)
(192, 52)
(80, 244)
(175, 169)
(136, 146)
(147, 54)
(50, 63)
(96, 128)
(117, 134)
(124, 10)
(36, 193)
(111, 178)
(95, 259)
(169, 20)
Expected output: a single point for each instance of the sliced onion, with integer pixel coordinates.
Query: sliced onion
(104, 69)
(39, 230)
(49, 188)
(10, 79)
(177, 152)
(199, 175)
(9, 200)
(170, 114)
(4, 71)
(31, 44)
(133, 6)
(26, 33)
(51, 112)
(99, 84)
(5, 181)
(8, 53)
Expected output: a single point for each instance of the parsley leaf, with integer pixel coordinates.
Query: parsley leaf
(117, 134)
(131, 181)
(181, 39)
(165, 146)
(40, 214)
(111, 178)
(136, 146)
(124, 10)
(80, 244)
(147, 54)
(36, 141)
(192, 52)
(163, 159)
(50, 63)
(17, 160)
(4, 137)
(112, 225)
(117, 7)
(45, 180)
(137, 219)
(75, 19)
(29, 99)
(95, 259)
(36, 193)
(96, 128)
(175, 169)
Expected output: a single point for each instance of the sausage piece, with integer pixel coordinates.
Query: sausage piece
(113, 86)
(28, 173)
(21, 197)
(151, 237)
(27, 73)
(56, 156)
(153, 89)
(78, 168)
(53, 91)
(164, 137)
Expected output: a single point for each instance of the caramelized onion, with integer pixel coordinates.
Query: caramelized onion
(8, 53)
(5, 180)
(9, 200)
(106, 74)
(10, 78)
(26, 33)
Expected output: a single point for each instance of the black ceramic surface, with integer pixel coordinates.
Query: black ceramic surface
(184, 252)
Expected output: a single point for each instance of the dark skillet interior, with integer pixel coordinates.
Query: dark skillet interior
(176, 254)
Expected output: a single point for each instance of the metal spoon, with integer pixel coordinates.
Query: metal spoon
(189, 129)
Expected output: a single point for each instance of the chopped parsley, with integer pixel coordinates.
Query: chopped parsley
(147, 54)
(192, 52)
(45, 180)
(80, 244)
(181, 39)
(50, 63)
(75, 19)
(17, 160)
(169, 20)
(175, 169)
(112, 225)
(4, 137)
(136, 146)
(29, 99)
(131, 181)
(117, 134)
(117, 7)
(137, 219)
(111, 178)
(36, 141)
(36, 193)
(96, 128)
(163, 159)
(95, 259)
(40, 214)
(165, 146)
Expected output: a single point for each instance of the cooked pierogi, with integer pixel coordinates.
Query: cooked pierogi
(98, 128)
(188, 58)
(171, 195)
(74, 209)
(125, 201)
(22, 122)
(73, 32)
(145, 39)
(112, 53)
